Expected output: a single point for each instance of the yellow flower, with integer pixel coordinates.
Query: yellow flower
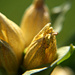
(34, 19)
(41, 52)
(42, 49)
(12, 34)
(8, 59)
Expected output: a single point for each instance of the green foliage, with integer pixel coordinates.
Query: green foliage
(58, 15)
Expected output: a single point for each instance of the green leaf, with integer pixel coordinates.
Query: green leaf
(58, 15)
(66, 52)
(63, 54)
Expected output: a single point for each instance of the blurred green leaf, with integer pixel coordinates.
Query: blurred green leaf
(58, 15)
(63, 54)
(67, 34)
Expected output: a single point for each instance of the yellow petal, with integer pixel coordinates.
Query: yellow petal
(13, 35)
(34, 19)
(42, 49)
(8, 58)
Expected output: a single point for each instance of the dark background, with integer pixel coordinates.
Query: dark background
(14, 10)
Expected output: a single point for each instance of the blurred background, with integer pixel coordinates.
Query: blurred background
(14, 10)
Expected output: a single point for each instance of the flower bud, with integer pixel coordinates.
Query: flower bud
(8, 58)
(34, 19)
(13, 35)
(42, 49)
(62, 71)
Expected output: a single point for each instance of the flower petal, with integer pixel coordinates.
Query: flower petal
(12, 34)
(8, 58)
(63, 54)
